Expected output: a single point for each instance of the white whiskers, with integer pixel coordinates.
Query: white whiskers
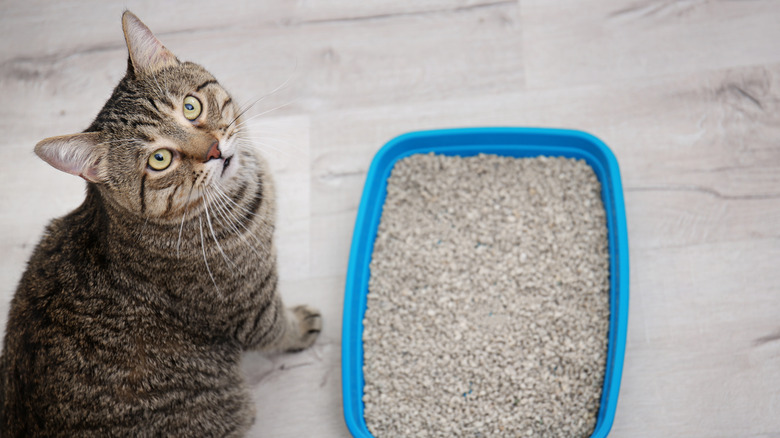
(230, 218)
(290, 152)
(205, 259)
(256, 101)
(211, 228)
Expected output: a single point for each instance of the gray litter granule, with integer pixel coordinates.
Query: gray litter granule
(488, 303)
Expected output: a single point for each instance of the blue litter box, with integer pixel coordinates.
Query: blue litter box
(514, 142)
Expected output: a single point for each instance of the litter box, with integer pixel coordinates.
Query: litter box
(514, 142)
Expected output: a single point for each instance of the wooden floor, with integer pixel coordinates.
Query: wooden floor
(686, 93)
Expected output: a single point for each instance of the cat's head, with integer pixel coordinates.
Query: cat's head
(168, 133)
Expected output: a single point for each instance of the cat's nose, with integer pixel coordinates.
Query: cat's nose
(214, 151)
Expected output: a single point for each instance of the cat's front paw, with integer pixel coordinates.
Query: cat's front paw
(309, 322)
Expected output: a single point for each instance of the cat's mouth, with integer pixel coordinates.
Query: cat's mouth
(225, 165)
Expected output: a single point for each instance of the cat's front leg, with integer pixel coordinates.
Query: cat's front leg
(280, 328)
(302, 327)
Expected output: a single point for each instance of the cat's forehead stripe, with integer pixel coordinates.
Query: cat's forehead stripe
(225, 104)
(205, 84)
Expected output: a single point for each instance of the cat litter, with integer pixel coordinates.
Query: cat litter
(489, 304)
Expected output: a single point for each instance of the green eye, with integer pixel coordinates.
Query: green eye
(160, 159)
(192, 108)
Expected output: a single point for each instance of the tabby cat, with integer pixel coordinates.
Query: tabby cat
(134, 309)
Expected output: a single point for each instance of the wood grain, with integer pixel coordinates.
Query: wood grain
(687, 95)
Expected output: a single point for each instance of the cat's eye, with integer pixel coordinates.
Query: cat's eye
(160, 159)
(192, 107)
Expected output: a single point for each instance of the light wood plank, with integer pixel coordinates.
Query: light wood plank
(310, 11)
(700, 362)
(579, 42)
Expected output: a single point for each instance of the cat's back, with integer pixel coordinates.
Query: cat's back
(51, 316)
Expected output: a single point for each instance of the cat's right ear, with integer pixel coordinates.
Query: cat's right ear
(78, 154)
(147, 53)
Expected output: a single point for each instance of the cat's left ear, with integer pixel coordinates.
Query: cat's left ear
(82, 155)
(147, 53)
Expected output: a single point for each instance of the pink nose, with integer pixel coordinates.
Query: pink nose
(214, 151)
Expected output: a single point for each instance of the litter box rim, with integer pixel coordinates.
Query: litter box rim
(506, 141)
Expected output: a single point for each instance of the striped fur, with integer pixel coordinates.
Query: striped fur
(134, 309)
